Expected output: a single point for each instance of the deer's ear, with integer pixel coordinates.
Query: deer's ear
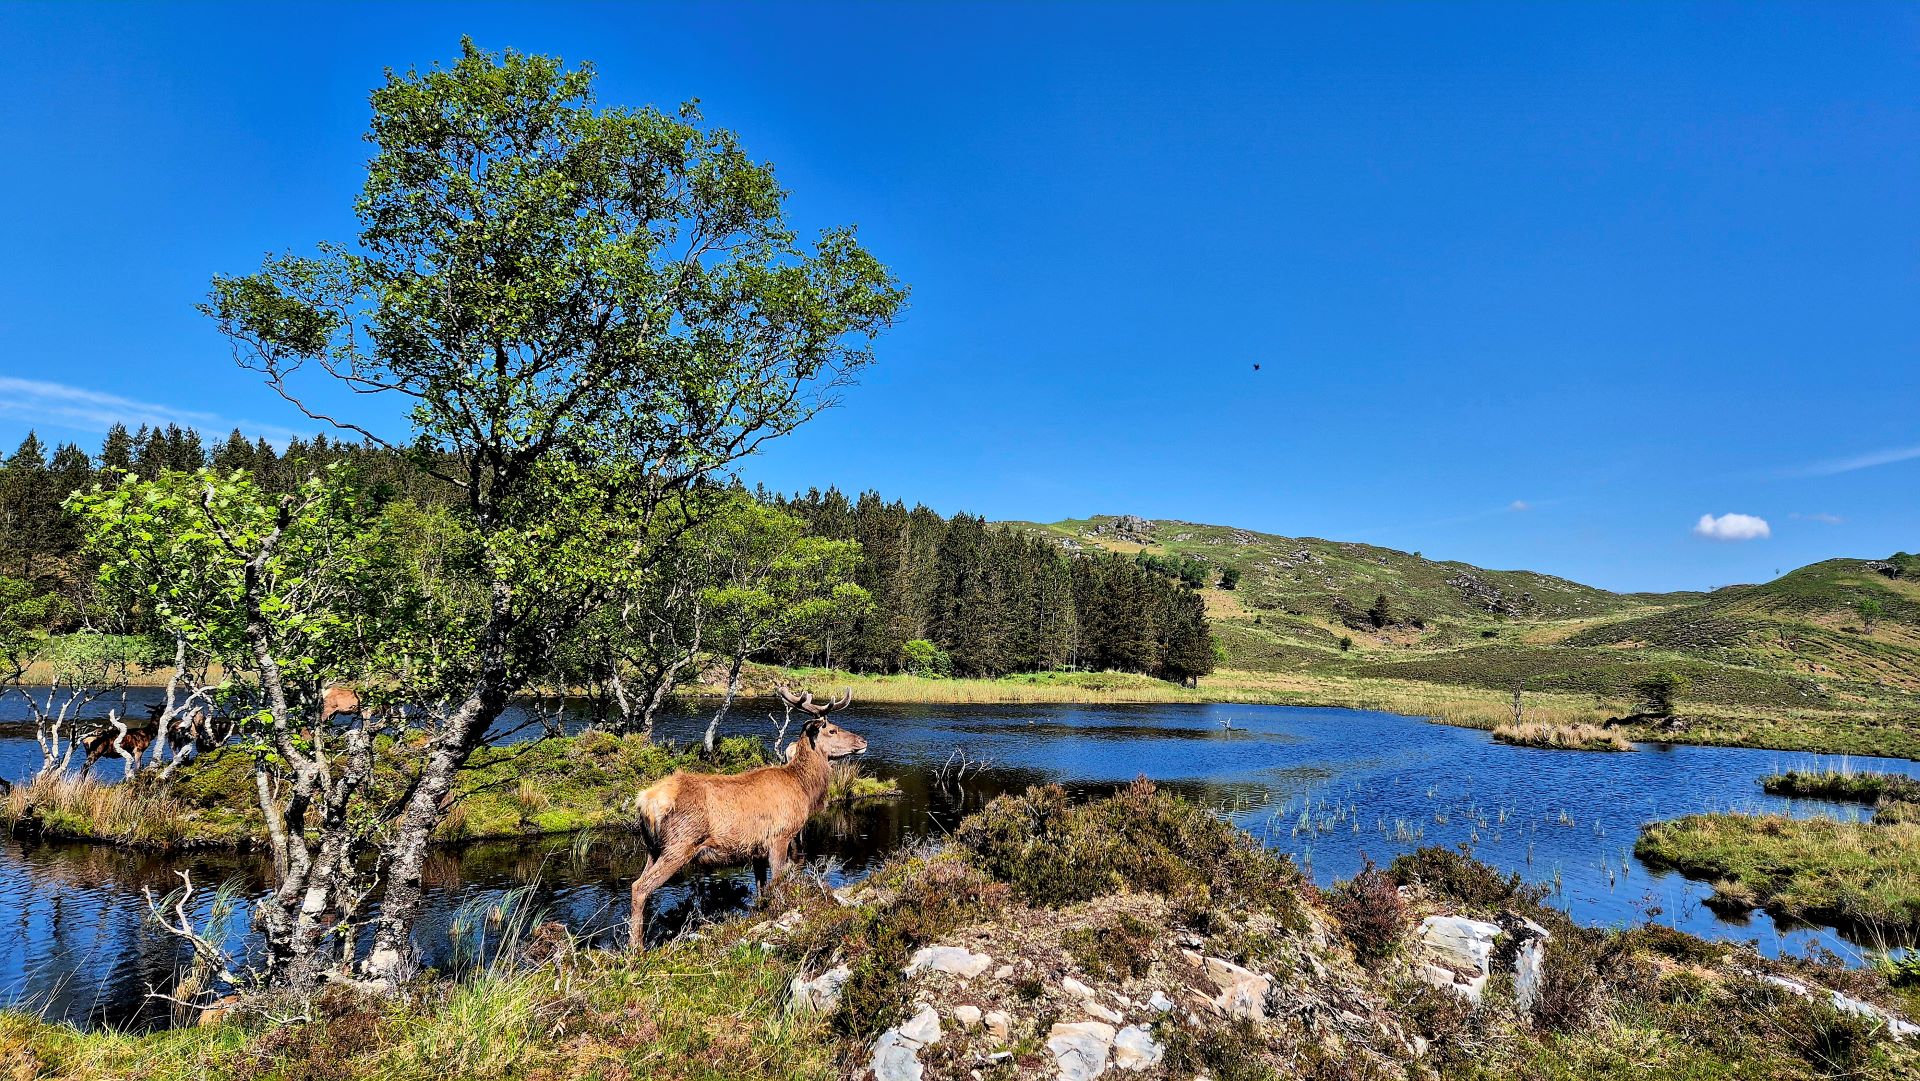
(812, 731)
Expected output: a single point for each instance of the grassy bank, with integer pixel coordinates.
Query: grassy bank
(1854, 873)
(1562, 737)
(1066, 914)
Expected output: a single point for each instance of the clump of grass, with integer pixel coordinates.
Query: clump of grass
(1141, 839)
(86, 808)
(688, 1010)
(1116, 948)
(1851, 873)
(1562, 737)
(1466, 881)
(1372, 914)
(1843, 784)
(848, 783)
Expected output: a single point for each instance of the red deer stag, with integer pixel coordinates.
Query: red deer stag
(713, 820)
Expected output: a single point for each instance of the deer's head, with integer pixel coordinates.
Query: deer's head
(828, 738)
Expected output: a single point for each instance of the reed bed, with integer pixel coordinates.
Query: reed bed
(1562, 737)
(86, 808)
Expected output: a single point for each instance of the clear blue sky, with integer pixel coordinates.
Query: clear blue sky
(1529, 285)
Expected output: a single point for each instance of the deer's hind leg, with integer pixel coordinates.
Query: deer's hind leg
(658, 870)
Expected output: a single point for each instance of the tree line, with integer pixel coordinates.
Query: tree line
(943, 596)
(989, 600)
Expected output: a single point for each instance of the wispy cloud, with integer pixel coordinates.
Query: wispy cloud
(38, 402)
(1859, 461)
(1821, 517)
(1519, 505)
(1732, 527)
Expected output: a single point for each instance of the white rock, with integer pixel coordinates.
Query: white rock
(1456, 938)
(1004, 972)
(1225, 974)
(999, 1025)
(895, 1058)
(1247, 1000)
(957, 960)
(1529, 970)
(1243, 992)
(1134, 1048)
(1110, 1016)
(1460, 953)
(924, 1028)
(1899, 1027)
(1158, 1002)
(1080, 1050)
(966, 1016)
(821, 993)
(1076, 988)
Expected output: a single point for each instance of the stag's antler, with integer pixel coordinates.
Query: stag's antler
(804, 701)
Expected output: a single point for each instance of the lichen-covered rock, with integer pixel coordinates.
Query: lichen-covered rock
(1458, 953)
(821, 993)
(896, 1054)
(957, 960)
(1243, 992)
(1080, 1050)
(1134, 1048)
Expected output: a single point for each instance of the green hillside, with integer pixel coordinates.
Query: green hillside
(1305, 575)
(1807, 622)
(1308, 608)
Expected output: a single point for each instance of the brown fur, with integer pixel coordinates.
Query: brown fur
(338, 698)
(713, 820)
(100, 744)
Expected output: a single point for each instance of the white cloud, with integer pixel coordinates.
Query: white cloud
(1858, 461)
(1821, 517)
(1519, 504)
(38, 402)
(1732, 527)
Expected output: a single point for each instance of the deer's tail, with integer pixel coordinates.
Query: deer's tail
(650, 810)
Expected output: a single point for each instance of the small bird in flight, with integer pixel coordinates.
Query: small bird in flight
(1256, 367)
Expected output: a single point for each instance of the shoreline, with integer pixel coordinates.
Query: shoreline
(1797, 729)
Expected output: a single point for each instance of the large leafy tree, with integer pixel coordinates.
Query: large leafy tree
(586, 312)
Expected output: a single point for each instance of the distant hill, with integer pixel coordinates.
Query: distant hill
(1303, 575)
(1806, 621)
(1797, 641)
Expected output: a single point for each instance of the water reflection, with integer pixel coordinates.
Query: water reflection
(1325, 785)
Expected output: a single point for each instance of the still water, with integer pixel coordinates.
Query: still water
(1328, 786)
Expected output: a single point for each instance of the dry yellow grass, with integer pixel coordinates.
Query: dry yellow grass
(1562, 737)
(72, 806)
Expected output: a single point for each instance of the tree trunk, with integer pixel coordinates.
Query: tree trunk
(726, 703)
(394, 958)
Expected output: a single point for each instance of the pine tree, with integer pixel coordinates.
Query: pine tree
(116, 453)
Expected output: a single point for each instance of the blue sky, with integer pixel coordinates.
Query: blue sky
(1529, 285)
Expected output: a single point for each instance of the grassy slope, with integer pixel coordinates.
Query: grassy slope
(1784, 664)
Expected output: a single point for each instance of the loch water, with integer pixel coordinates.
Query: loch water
(1329, 786)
